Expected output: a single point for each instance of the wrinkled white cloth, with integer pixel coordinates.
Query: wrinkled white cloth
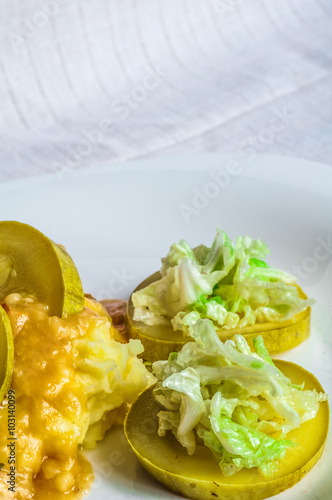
(87, 82)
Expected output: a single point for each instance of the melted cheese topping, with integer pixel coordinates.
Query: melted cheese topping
(55, 406)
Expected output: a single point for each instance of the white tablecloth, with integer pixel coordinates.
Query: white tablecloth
(84, 82)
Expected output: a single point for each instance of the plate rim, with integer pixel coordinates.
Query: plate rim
(263, 164)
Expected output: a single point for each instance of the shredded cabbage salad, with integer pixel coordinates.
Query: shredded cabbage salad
(236, 402)
(230, 284)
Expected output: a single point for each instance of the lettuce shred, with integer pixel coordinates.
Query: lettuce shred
(236, 402)
(230, 284)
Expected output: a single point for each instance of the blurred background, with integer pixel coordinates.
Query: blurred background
(87, 83)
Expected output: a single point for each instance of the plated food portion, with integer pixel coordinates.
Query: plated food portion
(228, 283)
(71, 379)
(229, 423)
(186, 362)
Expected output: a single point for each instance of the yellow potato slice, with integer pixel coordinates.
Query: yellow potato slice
(199, 476)
(31, 264)
(159, 341)
(6, 353)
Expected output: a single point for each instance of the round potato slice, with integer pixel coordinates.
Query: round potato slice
(31, 264)
(199, 476)
(6, 353)
(160, 340)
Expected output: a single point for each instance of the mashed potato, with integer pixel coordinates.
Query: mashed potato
(71, 382)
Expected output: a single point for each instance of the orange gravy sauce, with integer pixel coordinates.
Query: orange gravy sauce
(50, 408)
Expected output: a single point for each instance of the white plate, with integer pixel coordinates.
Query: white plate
(117, 221)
